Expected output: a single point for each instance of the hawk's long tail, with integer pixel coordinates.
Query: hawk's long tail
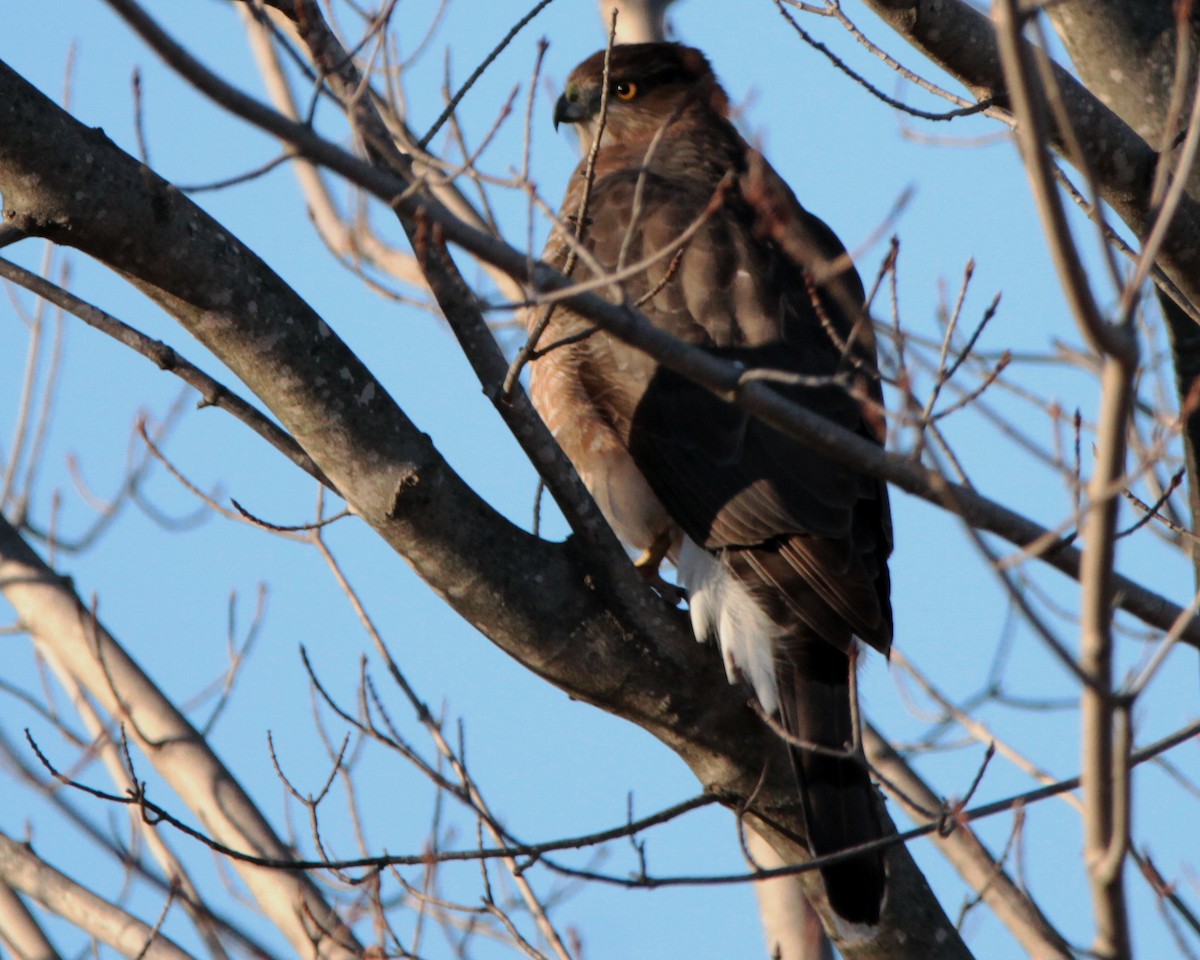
(839, 806)
(806, 679)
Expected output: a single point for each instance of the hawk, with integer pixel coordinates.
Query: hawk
(782, 551)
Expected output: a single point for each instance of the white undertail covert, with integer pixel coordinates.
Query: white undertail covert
(721, 604)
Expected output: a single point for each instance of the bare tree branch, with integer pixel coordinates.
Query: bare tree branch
(22, 870)
(1106, 784)
(1012, 905)
(60, 623)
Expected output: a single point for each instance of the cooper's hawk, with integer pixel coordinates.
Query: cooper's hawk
(783, 552)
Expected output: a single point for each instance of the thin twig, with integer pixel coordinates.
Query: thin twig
(964, 111)
(479, 71)
(167, 358)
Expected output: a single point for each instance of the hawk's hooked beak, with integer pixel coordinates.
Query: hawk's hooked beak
(572, 106)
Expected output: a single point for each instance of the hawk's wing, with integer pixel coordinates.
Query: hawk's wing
(727, 479)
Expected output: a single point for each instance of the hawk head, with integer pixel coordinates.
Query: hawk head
(649, 84)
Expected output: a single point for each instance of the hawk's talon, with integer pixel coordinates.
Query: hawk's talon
(648, 563)
(653, 556)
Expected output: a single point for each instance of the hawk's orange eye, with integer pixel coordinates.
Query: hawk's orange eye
(625, 90)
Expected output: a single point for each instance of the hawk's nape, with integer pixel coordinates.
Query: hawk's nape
(783, 551)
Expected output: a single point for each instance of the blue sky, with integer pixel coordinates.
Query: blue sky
(551, 767)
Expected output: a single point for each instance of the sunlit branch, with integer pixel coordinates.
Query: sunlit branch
(57, 620)
(1104, 731)
(23, 871)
